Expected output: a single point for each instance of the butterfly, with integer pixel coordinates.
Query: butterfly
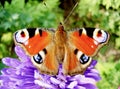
(48, 48)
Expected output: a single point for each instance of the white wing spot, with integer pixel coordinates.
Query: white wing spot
(92, 46)
(96, 43)
(26, 42)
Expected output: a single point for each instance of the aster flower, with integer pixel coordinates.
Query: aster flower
(21, 74)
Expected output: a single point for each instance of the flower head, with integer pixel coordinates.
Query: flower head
(21, 74)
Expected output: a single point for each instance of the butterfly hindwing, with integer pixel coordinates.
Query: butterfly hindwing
(75, 61)
(46, 61)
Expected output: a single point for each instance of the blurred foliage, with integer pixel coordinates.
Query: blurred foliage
(105, 14)
(110, 75)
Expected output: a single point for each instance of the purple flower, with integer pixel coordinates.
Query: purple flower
(21, 74)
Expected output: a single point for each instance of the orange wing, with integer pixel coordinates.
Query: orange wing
(46, 61)
(88, 40)
(33, 40)
(39, 44)
(81, 44)
(75, 61)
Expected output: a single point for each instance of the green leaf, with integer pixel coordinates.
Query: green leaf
(117, 41)
(7, 38)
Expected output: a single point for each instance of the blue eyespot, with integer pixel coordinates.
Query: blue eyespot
(38, 59)
(84, 59)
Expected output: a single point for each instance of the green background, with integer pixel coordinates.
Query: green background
(104, 14)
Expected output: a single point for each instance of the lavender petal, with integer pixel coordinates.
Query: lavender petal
(72, 85)
(43, 84)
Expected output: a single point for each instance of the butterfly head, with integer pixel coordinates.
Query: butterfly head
(61, 29)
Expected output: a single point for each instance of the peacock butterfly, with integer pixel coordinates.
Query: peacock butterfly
(48, 48)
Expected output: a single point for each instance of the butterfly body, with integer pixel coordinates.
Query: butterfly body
(73, 49)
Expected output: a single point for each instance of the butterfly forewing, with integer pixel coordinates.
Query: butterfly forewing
(88, 40)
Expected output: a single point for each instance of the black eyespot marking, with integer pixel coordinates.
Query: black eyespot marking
(16, 33)
(80, 32)
(38, 59)
(75, 51)
(90, 31)
(45, 51)
(31, 32)
(40, 32)
(84, 59)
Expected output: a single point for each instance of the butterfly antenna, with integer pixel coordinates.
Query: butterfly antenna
(70, 13)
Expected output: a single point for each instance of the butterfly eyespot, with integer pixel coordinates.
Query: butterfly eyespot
(99, 34)
(22, 34)
(38, 59)
(81, 57)
(84, 59)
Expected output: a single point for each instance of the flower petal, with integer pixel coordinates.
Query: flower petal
(62, 85)
(21, 53)
(54, 80)
(89, 86)
(11, 62)
(80, 87)
(43, 84)
(72, 84)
